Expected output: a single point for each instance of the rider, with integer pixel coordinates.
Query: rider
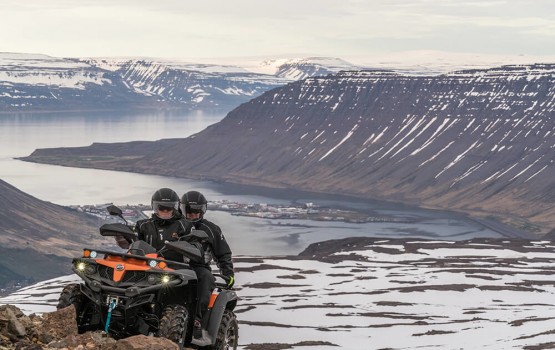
(194, 206)
(165, 225)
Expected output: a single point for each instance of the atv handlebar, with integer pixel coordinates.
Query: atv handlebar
(115, 229)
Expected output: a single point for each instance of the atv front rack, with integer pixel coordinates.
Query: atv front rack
(124, 256)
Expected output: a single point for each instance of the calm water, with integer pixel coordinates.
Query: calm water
(21, 134)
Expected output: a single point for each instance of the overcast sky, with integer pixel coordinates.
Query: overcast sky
(241, 28)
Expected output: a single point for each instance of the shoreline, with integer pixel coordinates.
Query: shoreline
(482, 218)
(223, 111)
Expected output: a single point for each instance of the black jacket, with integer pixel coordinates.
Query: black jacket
(157, 232)
(215, 248)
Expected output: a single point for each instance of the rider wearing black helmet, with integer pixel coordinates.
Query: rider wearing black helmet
(193, 206)
(165, 203)
(165, 225)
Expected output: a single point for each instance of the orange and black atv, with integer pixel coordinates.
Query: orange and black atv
(139, 292)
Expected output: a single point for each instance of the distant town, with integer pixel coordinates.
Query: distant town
(305, 211)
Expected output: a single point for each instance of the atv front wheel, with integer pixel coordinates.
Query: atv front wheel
(228, 333)
(84, 310)
(173, 324)
(71, 295)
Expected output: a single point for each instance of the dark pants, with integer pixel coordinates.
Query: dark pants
(205, 286)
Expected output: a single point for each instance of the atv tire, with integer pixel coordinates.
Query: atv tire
(71, 295)
(228, 333)
(173, 324)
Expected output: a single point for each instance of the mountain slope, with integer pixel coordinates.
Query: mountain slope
(37, 238)
(479, 141)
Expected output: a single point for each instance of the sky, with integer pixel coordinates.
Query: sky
(349, 29)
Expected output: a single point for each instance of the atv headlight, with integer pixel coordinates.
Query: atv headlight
(152, 263)
(155, 278)
(81, 266)
(93, 254)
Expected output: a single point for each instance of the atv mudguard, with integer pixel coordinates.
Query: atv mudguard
(227, 299)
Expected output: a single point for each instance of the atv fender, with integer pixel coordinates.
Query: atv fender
(92, 296)
(227, 299)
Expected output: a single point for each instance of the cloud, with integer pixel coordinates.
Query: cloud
(254, 27)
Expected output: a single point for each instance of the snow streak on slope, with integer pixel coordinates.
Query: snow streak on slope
(380, 293)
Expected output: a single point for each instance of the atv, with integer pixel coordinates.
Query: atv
(140, 292)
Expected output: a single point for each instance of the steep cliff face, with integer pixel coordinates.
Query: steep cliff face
(477, 141)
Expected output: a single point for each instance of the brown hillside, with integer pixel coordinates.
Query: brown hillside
(37, 238)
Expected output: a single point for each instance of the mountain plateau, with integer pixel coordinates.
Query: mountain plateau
(474, 141)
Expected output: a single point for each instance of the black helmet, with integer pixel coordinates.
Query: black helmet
(193, 202)
(165, 203)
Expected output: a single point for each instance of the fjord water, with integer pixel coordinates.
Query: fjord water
(21, 134)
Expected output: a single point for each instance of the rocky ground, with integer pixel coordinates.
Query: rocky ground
(58, 330)
(379, 293)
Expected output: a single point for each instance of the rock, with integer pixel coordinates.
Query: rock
(142, 342)
(58, 324)
(58, 330)
(9, 322)
(89, 341)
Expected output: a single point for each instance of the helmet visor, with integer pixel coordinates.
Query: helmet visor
(196, 208)
(164, 206)
(193, 208)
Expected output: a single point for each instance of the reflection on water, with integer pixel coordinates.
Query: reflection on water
(21, 134)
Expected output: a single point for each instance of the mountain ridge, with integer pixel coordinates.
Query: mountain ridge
(476, 141)
(41, 83)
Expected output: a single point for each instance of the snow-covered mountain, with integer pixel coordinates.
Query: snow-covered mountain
(31, 82)
(380, 293)
(44, 70)
(477, 141)
(40, 82)
(301, 68)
